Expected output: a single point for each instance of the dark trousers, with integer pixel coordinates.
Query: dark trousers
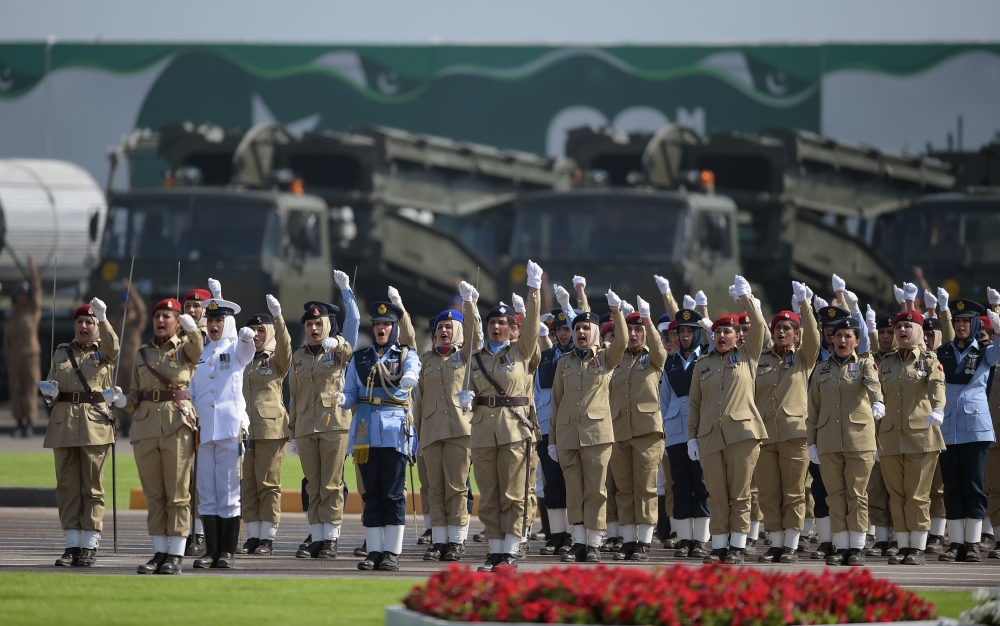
(963, 467)
(555, 484)
(384, 477)
(820, 506)
(690, 494)
(469, 500)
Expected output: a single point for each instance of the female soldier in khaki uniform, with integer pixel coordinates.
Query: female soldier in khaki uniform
(909, 435)
(262, 384)
(845, 399)
(638, 427)
(80, 429)
(164, 431)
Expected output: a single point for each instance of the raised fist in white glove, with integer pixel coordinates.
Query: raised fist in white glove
(49, 388)
(852, 302)
(706, 324)
(408, 381)
(328, 343)
(942, 299)
(114, 396)
(342, 279)
(688, 303)
(662, 284)
(216, 288)
(993, 296)
(870, 318)
(936, 418)
(742, 286)
(518, 303)
(809, 293)
(795, 306)
(562, 296)
(756, 302)
(613, 300)
(627, 309)
(819, 304)
(994, 319)
(534, 271)
(899, 293)
(694, 453)
(838, 283)
(188, 323)
(273, 305)
(579, 282)
(878, 410)
(930, 300)
(247, 334)
(799, 291)
(394, 297)
(543, 330)
(553, 453)
(643, 307)
(910, 291)
(100, 309)
(732, 292)
(465, 400)
(814, 454)
(700, 299)
(465, 290)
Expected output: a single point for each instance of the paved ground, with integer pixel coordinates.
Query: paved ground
(30, 541)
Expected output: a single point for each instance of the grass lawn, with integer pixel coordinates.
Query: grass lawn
(949, 603)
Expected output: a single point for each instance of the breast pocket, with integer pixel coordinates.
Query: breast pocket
(861, 416)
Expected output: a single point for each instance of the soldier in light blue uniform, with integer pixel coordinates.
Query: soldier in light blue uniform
(381, 437)
(967, 428)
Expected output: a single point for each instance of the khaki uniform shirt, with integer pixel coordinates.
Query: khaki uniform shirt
(912, 386)
(317, 379)
(635, 389)
(262, 382)
(721, 403)
(581, 393)
(82, 424)
(840, 405)
(175, 360)
(436, 411)
(511, 369)
(783, 383)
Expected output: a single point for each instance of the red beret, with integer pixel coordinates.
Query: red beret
(987, 324)
(672, 326)
(909, 316)
(83, 310)
(517, 318)
(744, 318)
(785, 315)
(198, 295)
(729, 319)
(633, 318)
(170, 304)
(607, 328)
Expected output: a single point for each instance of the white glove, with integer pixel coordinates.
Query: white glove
(930, 300)
(114, 396)
(465, 400)
(700, 299)
(742, 286)
(562, 296)
(518, 303)
(247, 334)
(394, 297)
(756, 302)
(819, 303)
(535, 272)
(878, 457)
(328, 343)
(216, 288)
(694, 453)
(293, 446)
(627, 309)
(799, 291)
(475, 298)
(936, 418)
(899, 293)
(689, 302)
(809, 293)
(838, 283)
(870, 318)
(342, 279)
(188, 324)
(100, 309)
(643, 307)
(543, 330)
(994, 319)
(49, 388)
(732, 292)
(814, 454)
(942, 299)
(662, 284)
(910, 291)
(613, 300)
(706, 324)
(795, 305)
(579, 281)
(993, 295)
(273, 305)
(341, 400)
(553, 453)
(408, 381)
(852, 302)
(465, 290)
(878, 410)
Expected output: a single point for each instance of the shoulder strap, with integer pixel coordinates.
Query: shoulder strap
(76, 368)
(158, 376)
(489, 379)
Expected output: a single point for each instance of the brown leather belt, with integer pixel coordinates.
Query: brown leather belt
(495, 401)
(79, 397)
(376, 401)
(166, 396)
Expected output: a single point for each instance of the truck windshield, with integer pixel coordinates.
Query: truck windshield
(187, 228)
(597, 228)
(963, 234)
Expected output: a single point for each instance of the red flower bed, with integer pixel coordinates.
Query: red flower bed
(678, 595)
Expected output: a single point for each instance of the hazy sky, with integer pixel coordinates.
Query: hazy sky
(510, 21)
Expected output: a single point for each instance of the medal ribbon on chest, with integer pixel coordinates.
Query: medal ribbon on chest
(853, 371)
(732, 360)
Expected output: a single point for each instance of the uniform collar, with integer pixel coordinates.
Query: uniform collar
(848, 359)
(173, 342)
(93, 344)
(774, 350)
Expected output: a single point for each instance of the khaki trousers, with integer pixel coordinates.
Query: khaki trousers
(992, 486)
(937, 493)
(164, 465)
(846, 475)
(728, 474)
(810, 503)
(908, 480)
(500, 474)
(425, 502)
(446, 463)
(79, 486)
(532, 486)
(611, 494)
(780, 477)
(23, 374)
(878, 498)
(668, 484)
(262, 480)
(585, 471)
(634, 464)
(322, 456)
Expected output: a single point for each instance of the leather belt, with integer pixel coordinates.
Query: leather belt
(166, 396)
(402, 404)
(78, 397)
(495, 401)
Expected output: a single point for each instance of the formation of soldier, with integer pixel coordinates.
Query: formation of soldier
(710, 435)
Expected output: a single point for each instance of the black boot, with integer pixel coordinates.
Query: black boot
(788, 555)
(698, 550)
(328, 550)
(576, 554)
(546, 529)
(229, 539)
(879, 549)
(855, 557)
(171, 566)
(435, 552)
(824, 550)
(389, 562)
(68, 558)
(955, 552)
(453, 552)
(972, 553)
(250, 545)
(683, 550)
(773, 553)
(371, 562)
(935, 544)
(88, 558)
(715, 556)
(641, 553)
(306, 543)
(363, 550)
(900, 557)
(189, 546)
(197, 547)
(492, 561)
(838, 557)
(734, 556)
(212, 524)
(592, 554)
(553, 543)
(626, 550)
(265, 547)
(426, 538)
(567, 544)
(153, 565)
(914, 557)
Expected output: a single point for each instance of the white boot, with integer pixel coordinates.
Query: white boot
(176, 546)
(439, 534)
(684, 529)
(629, 532)
(510, 543)
(268, 530)
(956, 531)
(842, 540)
(938, 524)
(857, 540)
(645, 533)
(720, 541)
(881, 534)
(903, 540)
(613, 531)
(918, 539)
(594, 538)
(973, 530)
(253, 530)
(374, 539)
(75, 537)
(579, 534)
(160, 543)
(91, 539)
(393, 538)
(738, 540)
(792, 539)
(700, 530)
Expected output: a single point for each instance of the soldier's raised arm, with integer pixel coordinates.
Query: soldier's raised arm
(528, 347)
(352, 316)
(947, 330)
(810, 330)
(471, 325)
(614, 353)
(669, 303)
(754, 343)
(580, 285)
(283, 341)
(192, 344)
(657, 353)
